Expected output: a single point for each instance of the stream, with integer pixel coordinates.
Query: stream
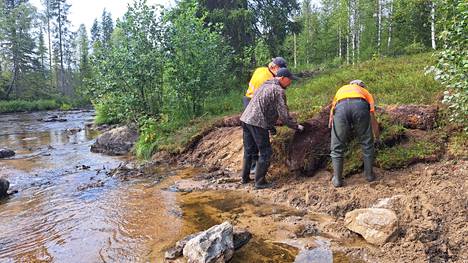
(68, 209)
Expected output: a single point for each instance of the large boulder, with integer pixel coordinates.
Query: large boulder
(213, 245)
(118, 141)
(177, 250)
(4, 185)
(5, 153)
(376, 225)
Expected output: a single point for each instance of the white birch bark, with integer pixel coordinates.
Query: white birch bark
(433, 33)
(390, 15)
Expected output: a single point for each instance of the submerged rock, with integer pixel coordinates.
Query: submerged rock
(118, 141)
(4, 185)
(5, 153)
(213, 245)
(241, 237)
(376, 225)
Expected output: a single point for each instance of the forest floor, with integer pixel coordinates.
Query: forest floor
(430, 200)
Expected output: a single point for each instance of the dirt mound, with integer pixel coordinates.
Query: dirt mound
(221, 148)
(421, 117)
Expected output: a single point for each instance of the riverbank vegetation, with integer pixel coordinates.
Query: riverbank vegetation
(174, 71)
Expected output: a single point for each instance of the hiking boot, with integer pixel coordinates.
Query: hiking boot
(337, 179)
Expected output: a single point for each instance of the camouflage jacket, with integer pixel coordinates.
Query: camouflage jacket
(267, 105)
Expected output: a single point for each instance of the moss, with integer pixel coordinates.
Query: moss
(402, 155)
(457, 146)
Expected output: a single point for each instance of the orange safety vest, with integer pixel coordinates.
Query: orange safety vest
(259, 76)
(353, 91)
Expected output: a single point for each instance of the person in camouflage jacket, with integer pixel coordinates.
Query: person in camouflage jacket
(266, 107)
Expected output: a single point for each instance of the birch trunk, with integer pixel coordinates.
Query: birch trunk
(390, 14)
(433, 33)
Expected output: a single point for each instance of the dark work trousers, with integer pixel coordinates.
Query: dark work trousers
(254, 157)
(351, 115)
(256, 143)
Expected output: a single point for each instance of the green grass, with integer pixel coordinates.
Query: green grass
(390, 80)
(173, 134)
(23, 105)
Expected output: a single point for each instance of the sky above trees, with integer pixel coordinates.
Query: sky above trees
(85, 11)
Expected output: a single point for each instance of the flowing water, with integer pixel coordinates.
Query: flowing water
(68, 210)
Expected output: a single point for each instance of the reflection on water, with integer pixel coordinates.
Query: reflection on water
(51, 220)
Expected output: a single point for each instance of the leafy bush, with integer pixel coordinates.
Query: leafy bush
(452, 62)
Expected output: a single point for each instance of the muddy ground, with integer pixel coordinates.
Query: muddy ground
(430, 200)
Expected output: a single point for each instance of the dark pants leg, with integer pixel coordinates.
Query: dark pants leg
(245, 102)
(257, 141)
(352, 115)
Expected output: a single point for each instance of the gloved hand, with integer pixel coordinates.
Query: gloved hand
(300, 128)
(272, 131)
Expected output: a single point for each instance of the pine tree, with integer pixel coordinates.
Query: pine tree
(17, 49)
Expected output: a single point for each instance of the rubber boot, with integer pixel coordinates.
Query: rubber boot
(368, 172)
(260, 174)
(337, 179)
(253, 167)
(246, 164)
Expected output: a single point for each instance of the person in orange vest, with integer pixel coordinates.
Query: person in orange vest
(352, 109)
(259, 77)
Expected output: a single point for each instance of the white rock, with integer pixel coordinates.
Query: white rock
(376, 225)
(213, 245)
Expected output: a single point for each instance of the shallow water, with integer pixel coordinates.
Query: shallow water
(56, 217)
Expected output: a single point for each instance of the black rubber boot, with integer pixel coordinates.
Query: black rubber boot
(368, 170)
(246, 164)
(253, 167)
(260, 175)
(337, 179)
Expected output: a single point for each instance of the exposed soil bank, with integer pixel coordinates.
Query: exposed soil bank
(430, 201)
(430, 198)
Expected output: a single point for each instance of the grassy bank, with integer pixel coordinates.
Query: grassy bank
(390, 80)
(39, 105)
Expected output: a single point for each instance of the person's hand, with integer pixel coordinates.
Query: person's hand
(273, 131)
(300, 128)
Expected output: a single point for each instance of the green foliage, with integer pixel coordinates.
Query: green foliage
(458, 145)
(197, 65)
(23, 105)
(127, 77)
(108, 112)
(452, 62)
(65, 107)
(415, 48)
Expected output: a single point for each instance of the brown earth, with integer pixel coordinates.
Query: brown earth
(430, 199)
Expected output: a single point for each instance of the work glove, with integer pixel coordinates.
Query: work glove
(272, 131)
(300, 128)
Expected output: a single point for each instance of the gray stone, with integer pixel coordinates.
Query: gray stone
(118, 141)
(4, 185)
(5, 153)
(376, 225)
(213, 245)
(177, 250)
(241, 237)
